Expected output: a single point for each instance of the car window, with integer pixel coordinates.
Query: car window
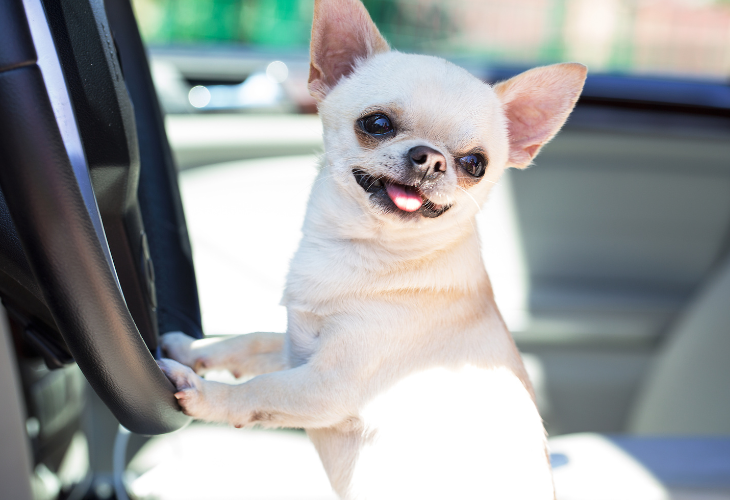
(670, 37)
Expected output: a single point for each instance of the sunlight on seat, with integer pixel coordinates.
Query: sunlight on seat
(220, 463)
(597, 469)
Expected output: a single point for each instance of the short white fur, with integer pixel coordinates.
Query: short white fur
(396, 360)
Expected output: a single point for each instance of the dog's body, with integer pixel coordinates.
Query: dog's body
(396, 359)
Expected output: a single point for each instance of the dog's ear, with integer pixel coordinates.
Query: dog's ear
(342, 34)
(537, 103)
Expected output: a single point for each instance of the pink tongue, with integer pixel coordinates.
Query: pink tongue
(405, 198)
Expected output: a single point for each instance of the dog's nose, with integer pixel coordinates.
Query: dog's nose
(427, 161)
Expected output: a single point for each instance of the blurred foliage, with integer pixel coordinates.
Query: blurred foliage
(283, 23)
(413, 25)
(664, 36)
(256, 22)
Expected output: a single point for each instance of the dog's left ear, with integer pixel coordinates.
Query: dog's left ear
(342, 35)
(537, 103)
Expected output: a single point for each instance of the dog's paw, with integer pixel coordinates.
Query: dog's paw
(193, 392)
(200, 355)
(178, 346)
(181, 376)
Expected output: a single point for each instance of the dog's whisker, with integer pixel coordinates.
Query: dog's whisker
(378, 178)
(319, 179)
(479, 208)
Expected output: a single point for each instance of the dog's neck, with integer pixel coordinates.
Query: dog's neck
(345, 250)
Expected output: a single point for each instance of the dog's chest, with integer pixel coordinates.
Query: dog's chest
(478, 428)
(442, 401)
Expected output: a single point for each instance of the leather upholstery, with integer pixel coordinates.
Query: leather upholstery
(54, 257)
(686, 393)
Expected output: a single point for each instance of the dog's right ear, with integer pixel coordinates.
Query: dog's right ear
(342, 35)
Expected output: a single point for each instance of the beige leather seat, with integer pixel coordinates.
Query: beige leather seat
(687, 390)
(685, 393)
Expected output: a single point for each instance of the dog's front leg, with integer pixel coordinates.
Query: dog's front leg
(242, 355)
(302, 397)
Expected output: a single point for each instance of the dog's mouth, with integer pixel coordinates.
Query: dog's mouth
(398, 197)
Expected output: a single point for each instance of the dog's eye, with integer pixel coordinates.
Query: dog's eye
(474, 164)
(377, 125)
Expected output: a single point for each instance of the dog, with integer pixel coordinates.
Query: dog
(396, 360)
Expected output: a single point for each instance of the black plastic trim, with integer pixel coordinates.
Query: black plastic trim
(159, 195)
(66, 257)
(674, 95)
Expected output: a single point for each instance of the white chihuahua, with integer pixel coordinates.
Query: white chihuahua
(396, 360)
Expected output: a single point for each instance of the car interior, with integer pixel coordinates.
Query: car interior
(131, 206)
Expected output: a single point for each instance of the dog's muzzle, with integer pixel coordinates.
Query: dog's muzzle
(395, 197)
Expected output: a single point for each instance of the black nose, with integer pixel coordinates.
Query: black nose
(427, 161)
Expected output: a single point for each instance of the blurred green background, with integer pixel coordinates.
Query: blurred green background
(687, 37)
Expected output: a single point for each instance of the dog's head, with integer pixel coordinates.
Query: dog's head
(414, 138)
